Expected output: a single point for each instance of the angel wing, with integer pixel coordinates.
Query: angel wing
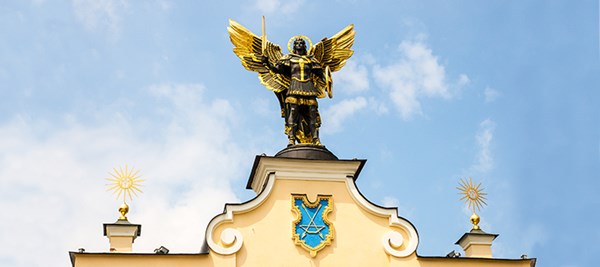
(248, 47)
(332, 54)
(334, 51)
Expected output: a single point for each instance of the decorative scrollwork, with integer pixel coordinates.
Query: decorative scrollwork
(396, 245)
(231, 240)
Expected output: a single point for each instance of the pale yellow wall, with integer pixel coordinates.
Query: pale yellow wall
(263, 227)
(267, 230)
(478, 251)
(204, 260)
(146, 260)
(121, 243)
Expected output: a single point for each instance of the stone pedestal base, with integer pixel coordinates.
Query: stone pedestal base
(477, 243)
(121, 235)
(306, 151)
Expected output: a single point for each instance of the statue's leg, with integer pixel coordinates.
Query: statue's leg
(314, 129)
(292, 123)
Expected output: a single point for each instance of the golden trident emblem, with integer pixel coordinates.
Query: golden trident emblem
(474, 197)
(124, 183)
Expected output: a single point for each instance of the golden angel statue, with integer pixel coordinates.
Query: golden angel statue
(299, 78)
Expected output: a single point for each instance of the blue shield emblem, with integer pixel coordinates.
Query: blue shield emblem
(311, 229)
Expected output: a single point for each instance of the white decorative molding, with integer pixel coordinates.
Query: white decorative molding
(300, 169)
(232, 239)
(393, 242)
(400, 241)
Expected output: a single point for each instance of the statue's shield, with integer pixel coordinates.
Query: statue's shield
(311, 229)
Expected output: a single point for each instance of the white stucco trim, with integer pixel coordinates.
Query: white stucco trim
(270, 169)
(232, 239)
(320, 170)
(393, 242)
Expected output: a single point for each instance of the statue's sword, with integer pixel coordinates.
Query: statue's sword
(264, 36)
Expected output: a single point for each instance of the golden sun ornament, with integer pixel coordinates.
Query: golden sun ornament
(473, 194)
(125, 182)
(475, 198)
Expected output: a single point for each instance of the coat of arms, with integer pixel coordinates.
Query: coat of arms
(312, 229)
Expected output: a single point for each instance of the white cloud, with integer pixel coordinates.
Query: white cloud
(276, 6)
(100, 15)
(262, 106)
(484, 137)
(490, 94)
(463, 80)
(165, 5)
(417, 74)
(533, 235)
(390, 201)
(267, 6)
(352, 78)
(341, 111)
(38, 2)
(530, 235)
(52, 177)
(379, 107)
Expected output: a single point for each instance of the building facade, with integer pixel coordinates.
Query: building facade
(307, 212)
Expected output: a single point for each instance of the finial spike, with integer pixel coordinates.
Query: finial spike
(123, 209)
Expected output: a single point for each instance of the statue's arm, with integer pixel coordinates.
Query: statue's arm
(317, 69)
(279, 67)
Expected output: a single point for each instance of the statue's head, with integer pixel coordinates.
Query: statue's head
(299, 46)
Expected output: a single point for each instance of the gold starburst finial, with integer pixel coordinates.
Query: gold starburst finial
(474, 197)
(125, 183)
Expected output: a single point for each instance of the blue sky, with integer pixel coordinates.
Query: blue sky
(505, 92)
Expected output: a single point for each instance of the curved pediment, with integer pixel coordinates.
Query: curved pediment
(274, 217)
(306, 213)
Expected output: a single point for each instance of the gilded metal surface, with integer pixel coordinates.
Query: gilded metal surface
(304, 74)
(124, 183)
(299, 37)
(474, 197)
(249, 48)
(123, 209)
(301, 101)
(475, 221)
(264, 36)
